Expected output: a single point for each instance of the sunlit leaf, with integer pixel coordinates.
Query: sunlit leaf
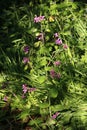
(44, 105)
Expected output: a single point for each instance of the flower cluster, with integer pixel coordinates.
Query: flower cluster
(56, 35)
(27, 89)
(58, 41)
(57, 63)
(54, 116)
(53, 74)
(26, 49)
(38, 19)
(25, 60)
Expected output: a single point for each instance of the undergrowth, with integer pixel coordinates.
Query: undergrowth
(43, 64)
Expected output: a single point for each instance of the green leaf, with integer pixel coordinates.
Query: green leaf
(53, 93)
(26, 67)
(17, 40)
(66, 117)
(28, 105)
(24, 114)
(48, 30)
(1, 79)
(57, 108)
(44, 111)
(51, 121)
(42, 79)
(43, 61)
(48, 68)
(35, 121)
(43, 50)
(37, 44)
(33, 29)
(44, 105)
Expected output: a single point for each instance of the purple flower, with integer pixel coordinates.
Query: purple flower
(38, 19)
(56, 35)
(52, 73)
(54, 116)
(57, 113)
(5, 98)
(40, 36)
(26, 49)
(58, 41)
(25, 90)
(25, 60)
(24, 87)
(57, 63)
(65, 46)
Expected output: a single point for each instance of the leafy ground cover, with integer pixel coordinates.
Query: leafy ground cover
(43, 67)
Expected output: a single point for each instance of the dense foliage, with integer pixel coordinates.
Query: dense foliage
(43, 67)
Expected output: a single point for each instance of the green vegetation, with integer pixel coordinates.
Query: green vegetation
(43, 67)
